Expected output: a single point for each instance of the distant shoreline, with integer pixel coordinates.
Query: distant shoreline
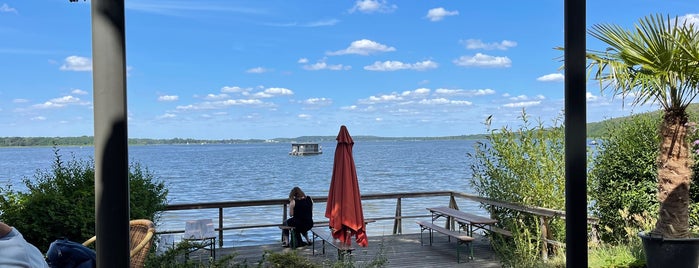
(88, 140)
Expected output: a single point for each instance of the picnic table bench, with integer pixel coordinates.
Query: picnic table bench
(323, 233)
(460, 237)
(470, 222)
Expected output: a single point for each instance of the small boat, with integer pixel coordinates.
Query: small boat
(306, 149)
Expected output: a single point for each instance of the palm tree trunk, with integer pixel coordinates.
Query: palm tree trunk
(674, 176)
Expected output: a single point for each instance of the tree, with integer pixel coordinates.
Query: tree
(656, 63)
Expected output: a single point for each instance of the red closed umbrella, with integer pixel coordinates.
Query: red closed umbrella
(344, 207)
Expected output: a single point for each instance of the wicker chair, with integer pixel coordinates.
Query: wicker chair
(141, 237)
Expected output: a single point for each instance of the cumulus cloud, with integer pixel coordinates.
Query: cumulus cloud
(257, 70)
(463, 92)
(690, 19)
(60, 102)
(555, 77)
(216, 96)
(38, 118)
(273, 92)
(167, 116)
(590, 97)
(478, 44)
(363, 47)
(78, 92)
(318, 101)
(438, 101)
(521, 104)
(372, 6)
(304, 116)
(234, 89)
(7, 9)
(77, 63)
(322, 65)
(397, 65)
(437, 14)
(483, 60)
(303, 60)
(168, 98)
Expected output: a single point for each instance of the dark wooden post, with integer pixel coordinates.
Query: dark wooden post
(398, 220)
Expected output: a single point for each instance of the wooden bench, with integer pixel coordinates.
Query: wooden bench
(461, 238)
(323, 233)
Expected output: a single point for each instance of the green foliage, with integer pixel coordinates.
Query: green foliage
(524, 166)
(60, 202)
(613, 256)
(623, 174)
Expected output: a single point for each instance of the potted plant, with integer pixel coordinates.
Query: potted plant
(658, 62)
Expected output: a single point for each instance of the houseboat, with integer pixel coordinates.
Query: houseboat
(305, 149)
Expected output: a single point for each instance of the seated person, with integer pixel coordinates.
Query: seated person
(17, 252)
(301, 212)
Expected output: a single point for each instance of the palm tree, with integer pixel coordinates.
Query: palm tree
(656, 63)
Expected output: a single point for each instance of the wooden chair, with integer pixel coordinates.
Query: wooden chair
(140, 237)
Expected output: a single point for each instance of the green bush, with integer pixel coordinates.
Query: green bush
(623, 176)
(523, 166)
(60, 202)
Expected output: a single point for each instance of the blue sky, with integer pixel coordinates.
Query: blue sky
(267, 69)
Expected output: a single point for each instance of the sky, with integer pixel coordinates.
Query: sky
(281, 69)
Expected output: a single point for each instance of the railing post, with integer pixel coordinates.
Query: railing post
(220, 227)
(544, 235)
(452, 204)
(398, 220)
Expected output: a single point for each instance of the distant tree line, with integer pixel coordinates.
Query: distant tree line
(89, 141)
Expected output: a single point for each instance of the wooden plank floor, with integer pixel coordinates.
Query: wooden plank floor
(399, 250)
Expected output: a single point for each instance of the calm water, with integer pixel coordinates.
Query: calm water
(210, 173)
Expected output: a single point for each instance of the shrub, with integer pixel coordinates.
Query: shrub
(60, 202)
(623, 176)
(524, 166)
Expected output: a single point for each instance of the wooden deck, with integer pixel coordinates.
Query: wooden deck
(399, 250)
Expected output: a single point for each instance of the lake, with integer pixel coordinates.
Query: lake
(238, 172)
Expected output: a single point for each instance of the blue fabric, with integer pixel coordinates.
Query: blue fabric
(17, 252)
(64, 253)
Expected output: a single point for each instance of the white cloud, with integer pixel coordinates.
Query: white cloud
(38, 118)
(519, 98)
(258, 70)
(554, 77)
(167, 116)
(303, 60)
(60, 102)
(5, 8)
(318, 101)
(590, 97)
(690, 19)
(478, 44)
(437, 14)
(522, 104)
(322, 65)
(483, 60)
(168, 98)
(216, 96)
(234, 89)
(462, 92)
(273, 92)
(444, 101)
(304, 116)
(397, 65)
(416, 93)
(78, 92)
(363, 47)
(77, 63)
(371, 6)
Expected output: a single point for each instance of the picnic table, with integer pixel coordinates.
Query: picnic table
(472, 222)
